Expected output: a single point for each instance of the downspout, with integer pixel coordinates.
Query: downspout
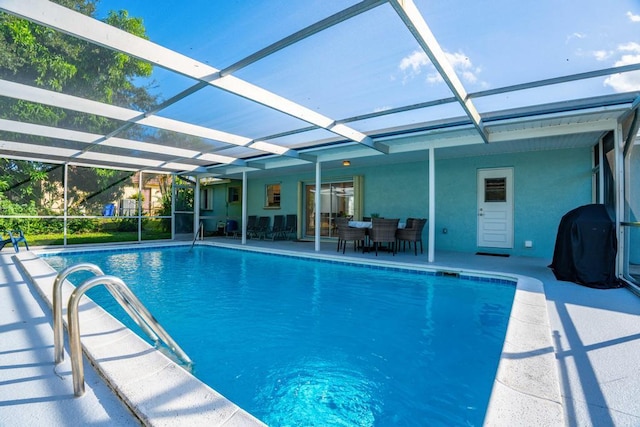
(601, 173)
(618, 145)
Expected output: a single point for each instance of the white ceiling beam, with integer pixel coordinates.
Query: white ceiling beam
(74, 103)
(557, 80)
(549, 130)
(416, 24)
(45, 151)
(433, 141)
(127, 144)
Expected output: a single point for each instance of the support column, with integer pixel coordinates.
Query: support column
(244, 207)
(140, 177)
(196, 207)
(66, 209)
(174, 194)
(317, 203)
(432, 205)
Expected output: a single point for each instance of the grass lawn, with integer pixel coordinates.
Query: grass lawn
(96, 237)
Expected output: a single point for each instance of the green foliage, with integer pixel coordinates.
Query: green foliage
(128, 224)
(39, 56)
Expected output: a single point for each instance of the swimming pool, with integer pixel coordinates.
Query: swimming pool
(300, 342)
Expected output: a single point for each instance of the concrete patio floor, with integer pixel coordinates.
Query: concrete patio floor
(595, 335)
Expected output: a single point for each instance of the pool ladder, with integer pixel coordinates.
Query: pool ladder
(127, 300)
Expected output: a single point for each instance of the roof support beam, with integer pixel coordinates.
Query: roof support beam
(132, 117)
(414, 21)
(94, 159)
(126, 144)
(558, 80)
(74, 103)
(78, 25)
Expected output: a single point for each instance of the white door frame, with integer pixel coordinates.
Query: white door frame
(495, 227)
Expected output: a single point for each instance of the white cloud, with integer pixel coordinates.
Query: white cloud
(602, 55)
(417, 62)
(381, 109)
(414, 63)
(632, 17)
(575, 36)
(626, 82)
(630, 47)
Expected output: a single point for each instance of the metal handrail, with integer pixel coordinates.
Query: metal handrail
(57, 307)
(75, 347)
(200, 232)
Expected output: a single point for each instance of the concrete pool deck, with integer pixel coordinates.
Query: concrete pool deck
(592, 343)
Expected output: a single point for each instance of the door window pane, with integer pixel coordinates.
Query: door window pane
(495, 189)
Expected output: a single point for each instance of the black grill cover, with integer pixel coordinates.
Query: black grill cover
(585, 250)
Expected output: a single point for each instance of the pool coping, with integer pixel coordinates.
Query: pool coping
(525, 391)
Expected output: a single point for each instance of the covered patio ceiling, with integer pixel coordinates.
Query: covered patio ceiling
(297, 99)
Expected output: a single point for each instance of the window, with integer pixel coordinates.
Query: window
(495, 190)
(206, 199)
(273, 196)
(233, 195)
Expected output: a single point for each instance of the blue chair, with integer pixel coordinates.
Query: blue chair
(5, 238)
(15, 237)
(109, 210)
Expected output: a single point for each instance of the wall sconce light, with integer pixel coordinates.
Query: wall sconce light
(346, 163)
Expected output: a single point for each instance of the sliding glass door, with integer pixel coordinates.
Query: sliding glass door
(336, 199)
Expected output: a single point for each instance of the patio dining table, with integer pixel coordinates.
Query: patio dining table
(369, 224)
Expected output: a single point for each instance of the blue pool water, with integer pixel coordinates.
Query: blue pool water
(300, 342)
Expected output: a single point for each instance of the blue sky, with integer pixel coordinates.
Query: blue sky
(372, 63)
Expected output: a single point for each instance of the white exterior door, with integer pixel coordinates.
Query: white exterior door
(495, 208)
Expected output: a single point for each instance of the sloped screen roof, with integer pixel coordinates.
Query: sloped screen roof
(242, 84)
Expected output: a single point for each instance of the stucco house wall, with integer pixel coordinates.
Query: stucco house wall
(547, 184)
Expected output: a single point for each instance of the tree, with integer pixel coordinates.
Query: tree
(39, 56)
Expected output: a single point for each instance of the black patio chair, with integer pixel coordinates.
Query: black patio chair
(291, 228)
(278, 227)
(251, 226)
(348, 234)
(412, 233)
(262, 227)
(384, 231)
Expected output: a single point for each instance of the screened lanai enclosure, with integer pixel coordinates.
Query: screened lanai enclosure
(138, 121)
